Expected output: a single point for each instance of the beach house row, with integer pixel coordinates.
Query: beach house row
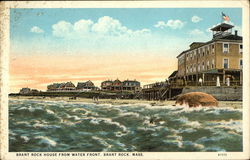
(69, 86)
(117, 85)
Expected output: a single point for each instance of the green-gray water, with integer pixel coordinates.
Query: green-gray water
(61, 126)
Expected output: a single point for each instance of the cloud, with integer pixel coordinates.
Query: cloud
(174, 24)
(62, 29)
(105, 26)
(36, 29)
(196, 19)
(108, 26)
(196, 32)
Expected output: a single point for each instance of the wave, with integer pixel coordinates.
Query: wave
(75, 126)
(47, 141)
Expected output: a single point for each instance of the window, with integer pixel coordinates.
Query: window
(187, 69)
(225, 47)
(203, 67)
(207, 65)
(213, 63)
(241, 64)
(241, 48)
(191, 68)
(194, 68)
(199, 67)
(212, 48)
(225, 63)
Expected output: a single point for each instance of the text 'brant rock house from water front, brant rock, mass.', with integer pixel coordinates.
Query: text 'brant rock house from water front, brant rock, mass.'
(217, 62)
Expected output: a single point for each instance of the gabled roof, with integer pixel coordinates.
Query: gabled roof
(117, 81)
(107, 81)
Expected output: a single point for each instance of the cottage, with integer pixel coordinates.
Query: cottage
(61, 87)
(88, 85)
(106, 85)
(117, 85)
(25, 90)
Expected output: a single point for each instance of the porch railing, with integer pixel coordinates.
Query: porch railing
(206, 83)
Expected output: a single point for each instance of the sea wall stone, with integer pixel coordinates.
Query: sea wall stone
(222, 93)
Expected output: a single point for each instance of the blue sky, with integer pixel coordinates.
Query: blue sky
(59, 45)
(151, 29)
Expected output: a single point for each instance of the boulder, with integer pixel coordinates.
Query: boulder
(196, 99)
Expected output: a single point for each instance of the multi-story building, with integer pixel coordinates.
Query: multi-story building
(89, 85)
(129, 85)
(216, 62)
(117, 85)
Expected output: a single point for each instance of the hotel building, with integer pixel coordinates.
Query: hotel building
(213, 63)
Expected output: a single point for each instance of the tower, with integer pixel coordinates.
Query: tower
(222, 30)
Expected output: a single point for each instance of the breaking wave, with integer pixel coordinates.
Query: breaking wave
(61, 126)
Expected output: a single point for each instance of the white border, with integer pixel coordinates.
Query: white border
(5, 155)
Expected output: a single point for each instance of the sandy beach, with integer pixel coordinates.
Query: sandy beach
(233, 104)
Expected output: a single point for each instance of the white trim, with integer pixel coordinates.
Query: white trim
(213, 49)
(240, 50)
(241, 66)
(223, 49)
(219, 42)
(227, 62)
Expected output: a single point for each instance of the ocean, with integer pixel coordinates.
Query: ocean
(59, 126)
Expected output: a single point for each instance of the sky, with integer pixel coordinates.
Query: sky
(59, 45)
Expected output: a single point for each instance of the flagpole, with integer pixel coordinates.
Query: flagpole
(221, 17)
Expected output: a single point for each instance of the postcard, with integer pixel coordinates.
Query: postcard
(125, 80)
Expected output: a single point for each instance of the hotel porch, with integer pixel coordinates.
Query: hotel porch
(214, 77)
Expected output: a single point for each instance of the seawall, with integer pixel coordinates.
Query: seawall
(220, 93)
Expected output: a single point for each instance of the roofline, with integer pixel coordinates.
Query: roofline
(205, 43)
(222, 24)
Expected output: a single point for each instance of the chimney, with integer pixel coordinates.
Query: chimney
(236, 32)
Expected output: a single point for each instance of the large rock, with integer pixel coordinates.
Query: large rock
(195, 99)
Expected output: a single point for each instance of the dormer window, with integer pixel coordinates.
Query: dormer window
(225, 47)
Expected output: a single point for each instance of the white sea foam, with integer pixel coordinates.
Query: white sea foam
(95, 120)
(45, 126)
(194, 124)
(103, 142)
(50, 111)
(79, 109)
(130, 114)
(25, 138)
(74, 117)
(46, 140)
